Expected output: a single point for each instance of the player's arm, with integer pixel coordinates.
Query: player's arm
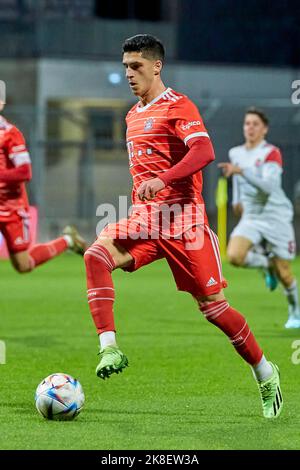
(16, 175)
(200, 154)
(19, 156)
(270, 178)
(189, 127)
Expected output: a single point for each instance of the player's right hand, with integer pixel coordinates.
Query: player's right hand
(229, 169)
(148, 189)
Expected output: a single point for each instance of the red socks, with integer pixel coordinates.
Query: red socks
(39, 254)
(235, 326)
(101, 294)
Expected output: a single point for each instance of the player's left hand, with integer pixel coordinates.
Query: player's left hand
(148, 189)
(229, 169)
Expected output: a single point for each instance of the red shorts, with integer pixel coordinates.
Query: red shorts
(16, 231)
(194, 260)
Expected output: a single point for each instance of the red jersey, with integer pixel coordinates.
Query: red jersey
(157, 138)
(13, 153)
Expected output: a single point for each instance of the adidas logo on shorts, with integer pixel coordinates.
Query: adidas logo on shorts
(211, 282)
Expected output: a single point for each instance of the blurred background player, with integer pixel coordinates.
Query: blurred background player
(266, 212)
(15, 171)
(168, 145)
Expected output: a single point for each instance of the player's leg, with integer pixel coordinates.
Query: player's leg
(105, 255)
(101, 259)
(237, 250)
(199, 271)
(217, 310)
(289, 282)
(24, 259)
(241, 250)
(281, 239)
(241, 253)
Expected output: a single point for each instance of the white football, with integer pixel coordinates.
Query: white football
(60, 397)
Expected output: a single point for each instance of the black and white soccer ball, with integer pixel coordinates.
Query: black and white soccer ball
(59, 397)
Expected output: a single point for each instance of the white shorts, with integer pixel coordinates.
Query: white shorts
(280, 237)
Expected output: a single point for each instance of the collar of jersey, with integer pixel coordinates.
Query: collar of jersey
(263, 142)
(141, 109)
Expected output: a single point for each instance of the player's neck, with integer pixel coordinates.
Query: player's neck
(152, 93)
(252, 145)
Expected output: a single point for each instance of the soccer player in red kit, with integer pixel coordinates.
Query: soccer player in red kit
(168, 146)
(15, 171)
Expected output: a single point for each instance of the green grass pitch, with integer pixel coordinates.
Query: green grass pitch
(186, 388)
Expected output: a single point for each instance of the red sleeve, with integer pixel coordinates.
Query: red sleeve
(201, 153)
(274, 156)
(16, 147)
(16, 175)
(185, 120)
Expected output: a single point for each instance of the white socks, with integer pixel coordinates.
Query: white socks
(69, 240)
(108, 338)
(263, 370)
(292, 295)
(256, 260)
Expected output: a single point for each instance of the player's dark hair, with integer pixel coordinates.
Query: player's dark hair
(150, 46)
(260, 113)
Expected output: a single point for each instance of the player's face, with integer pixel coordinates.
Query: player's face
(254, 128)
(140, 72)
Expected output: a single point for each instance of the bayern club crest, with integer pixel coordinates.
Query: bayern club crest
(148, 124)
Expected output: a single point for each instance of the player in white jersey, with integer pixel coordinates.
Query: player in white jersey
(266, 212)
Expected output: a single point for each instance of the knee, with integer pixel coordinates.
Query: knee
(22, 267)
(98, 255)
(235, 258)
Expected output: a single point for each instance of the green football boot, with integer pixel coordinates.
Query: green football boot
(112, 361)
(271, 396)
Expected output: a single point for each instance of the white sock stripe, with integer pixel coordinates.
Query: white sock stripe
(101, 298)
(216, 310)
(237, 334)
(221, 305)
(241, 341)
(101, 252)
(216, 305)
(98, 248)
(100, 257)
(215, 313)
(213, 242)
(100, 288)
